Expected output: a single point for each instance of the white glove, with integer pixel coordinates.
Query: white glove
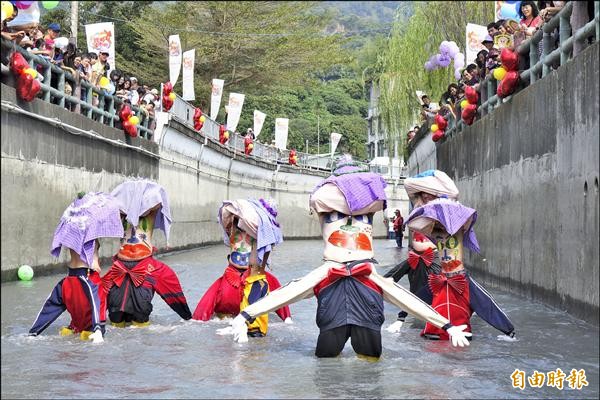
(508, 338)
(240, 329)
(225, 331)
(96, 337)
(458, 337)
(395, 327)
(288, 320)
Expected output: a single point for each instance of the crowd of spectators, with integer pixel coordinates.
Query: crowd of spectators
(503, 33)
(82, 66)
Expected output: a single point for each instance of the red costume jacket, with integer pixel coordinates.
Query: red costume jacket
(225, 295)
(123, 285)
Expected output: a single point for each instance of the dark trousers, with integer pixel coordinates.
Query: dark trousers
(364, 341)
(399, 235)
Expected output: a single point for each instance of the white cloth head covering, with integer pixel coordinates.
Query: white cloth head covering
(434, 182)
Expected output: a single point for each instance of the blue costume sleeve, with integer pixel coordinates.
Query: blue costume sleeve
(52, 308)
(487, 309)
(425, 294)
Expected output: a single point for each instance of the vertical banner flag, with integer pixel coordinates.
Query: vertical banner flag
(475, 35)
(236, 101)
(281, 132)
(100, 38)
(174, 58)
(335, 139)
(215, 97)
(188, 74)
(259, 120)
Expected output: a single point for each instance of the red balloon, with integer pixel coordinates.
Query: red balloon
(167, 103)
(441, 122)
(198, 125)
(27, 87)
(510, 59)
(468, 113)
(125, 112)
(437, 135)
(129, 128)
(197, 113)
(508, 85)
(18, 63)
(167, 89)
(471, 94)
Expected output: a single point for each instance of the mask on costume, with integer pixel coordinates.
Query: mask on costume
(450, 250)
(243, 249)
(347, 237)
(137, 243)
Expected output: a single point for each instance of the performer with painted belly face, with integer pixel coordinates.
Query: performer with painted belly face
(135, 275)
(421, 262)
(349, 291)
(245, 223)
(453, 292)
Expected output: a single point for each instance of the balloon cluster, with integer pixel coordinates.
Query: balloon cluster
(198, 119)
(7, 10)
(168, 96)
(449, 51)
(24, 5)
(128, 120)
(469, 105)
(248, 144)
(106, 85)
(27, 85)
(508, 73)
(439, 127)
(293, 157)
(223, 134)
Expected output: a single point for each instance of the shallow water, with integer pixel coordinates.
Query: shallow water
(186, 359)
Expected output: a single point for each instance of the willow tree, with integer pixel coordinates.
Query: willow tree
(409, 46)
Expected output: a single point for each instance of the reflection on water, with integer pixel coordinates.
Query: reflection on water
(186, 359)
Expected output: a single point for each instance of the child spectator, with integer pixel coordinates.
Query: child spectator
(134, 96)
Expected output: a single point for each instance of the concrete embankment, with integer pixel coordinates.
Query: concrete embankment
(530, 169)
(45, 165)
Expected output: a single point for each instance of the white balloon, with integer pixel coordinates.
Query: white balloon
(61, 42)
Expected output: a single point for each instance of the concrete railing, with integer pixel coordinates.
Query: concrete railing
(81, 101)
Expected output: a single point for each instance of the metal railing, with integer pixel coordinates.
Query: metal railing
(183, 112)
(534, 66)
(85, 98)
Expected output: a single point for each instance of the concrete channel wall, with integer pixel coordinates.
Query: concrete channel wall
(530, 169)
(44, 167)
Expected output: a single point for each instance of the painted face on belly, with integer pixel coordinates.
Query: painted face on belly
(241, 245)
(137, 243)
(450, 250)
(347, 238)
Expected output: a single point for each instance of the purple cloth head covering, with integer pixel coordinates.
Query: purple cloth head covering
(138, 196)
(452, 215)
(360, 188)
(88, 218)
(268, 232)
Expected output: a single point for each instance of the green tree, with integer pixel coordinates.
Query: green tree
(410, 45)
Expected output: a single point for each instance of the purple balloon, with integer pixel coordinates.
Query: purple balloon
(457, 74)
(443, 60)
(23, 5)
(445, 48)
(428, 66)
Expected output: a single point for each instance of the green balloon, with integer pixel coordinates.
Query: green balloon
(25, 273)
(49, 5)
